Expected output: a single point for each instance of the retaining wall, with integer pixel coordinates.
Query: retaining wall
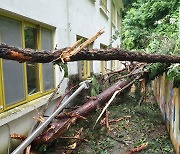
(168, 99)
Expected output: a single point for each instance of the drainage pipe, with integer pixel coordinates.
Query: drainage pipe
(29, 139)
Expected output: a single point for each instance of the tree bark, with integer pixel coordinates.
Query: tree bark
(43, 56)
(57, 129)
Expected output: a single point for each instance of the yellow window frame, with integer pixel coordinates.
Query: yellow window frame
(35, 95)
(113, 14)
(1, 90)
(103, 63)
(86, 70)
(104, 5)
(119, 64)
(112, 65)
(41, 92)
(103, 67)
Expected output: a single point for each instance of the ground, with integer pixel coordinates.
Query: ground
(145, 126)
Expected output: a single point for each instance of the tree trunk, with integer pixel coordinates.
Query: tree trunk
(42, 56)
(56, 129)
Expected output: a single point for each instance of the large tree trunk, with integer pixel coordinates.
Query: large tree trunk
(42, 56)
(57, 129)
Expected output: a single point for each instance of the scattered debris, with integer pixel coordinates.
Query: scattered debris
(138, 149)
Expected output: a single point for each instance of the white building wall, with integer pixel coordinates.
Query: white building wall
(69, 18)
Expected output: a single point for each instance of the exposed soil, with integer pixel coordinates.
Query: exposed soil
(145, 126)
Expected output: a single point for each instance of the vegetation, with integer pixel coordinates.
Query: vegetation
(153, 26)
(145, 125)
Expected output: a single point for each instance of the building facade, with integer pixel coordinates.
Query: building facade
(44, 24)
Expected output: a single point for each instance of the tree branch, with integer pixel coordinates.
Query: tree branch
(43, 56)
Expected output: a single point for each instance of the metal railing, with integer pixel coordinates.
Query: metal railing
(29, 139)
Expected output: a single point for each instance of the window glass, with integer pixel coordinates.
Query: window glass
(30, 34)
(48, 69)
(13, 72)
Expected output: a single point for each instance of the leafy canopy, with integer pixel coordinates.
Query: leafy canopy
(153, 26)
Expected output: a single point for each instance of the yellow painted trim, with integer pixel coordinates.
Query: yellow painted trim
(27, 100)
(38, 94)
(2, 79)
(1, 88)
(25, 68)
(53, 46)
(9, 16)
(113, 14)
(39, 43)
(104, 5)
(86, 69)
(112, 65)
(103, 67)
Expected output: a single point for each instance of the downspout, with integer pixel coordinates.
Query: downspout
(68, 24)
(29, 139)
(110, 45)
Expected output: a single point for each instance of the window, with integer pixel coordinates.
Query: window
(113, 14)
(104, 5)
(48, 69)
(20, 82)
(10, 31)
(85, 65)
(103, 63)
(32, 69)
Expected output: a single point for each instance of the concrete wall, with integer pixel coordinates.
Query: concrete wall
(169, 103)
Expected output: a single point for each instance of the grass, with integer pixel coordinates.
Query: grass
(145, 125)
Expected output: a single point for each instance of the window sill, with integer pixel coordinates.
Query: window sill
(10, 115)
(105, 13)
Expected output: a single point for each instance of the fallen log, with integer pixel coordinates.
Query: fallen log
(43, 56)
(55, 130)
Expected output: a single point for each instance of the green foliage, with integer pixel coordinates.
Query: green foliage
(63, 66)
(43, 148)
(155, 70)
(153, 26)
(95, 87)
(144, 17)
(174, 74)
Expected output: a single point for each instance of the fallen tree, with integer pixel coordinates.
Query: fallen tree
(74, 53)
(56, 129)
(43, 56)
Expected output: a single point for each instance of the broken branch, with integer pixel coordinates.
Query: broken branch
(138, 149)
